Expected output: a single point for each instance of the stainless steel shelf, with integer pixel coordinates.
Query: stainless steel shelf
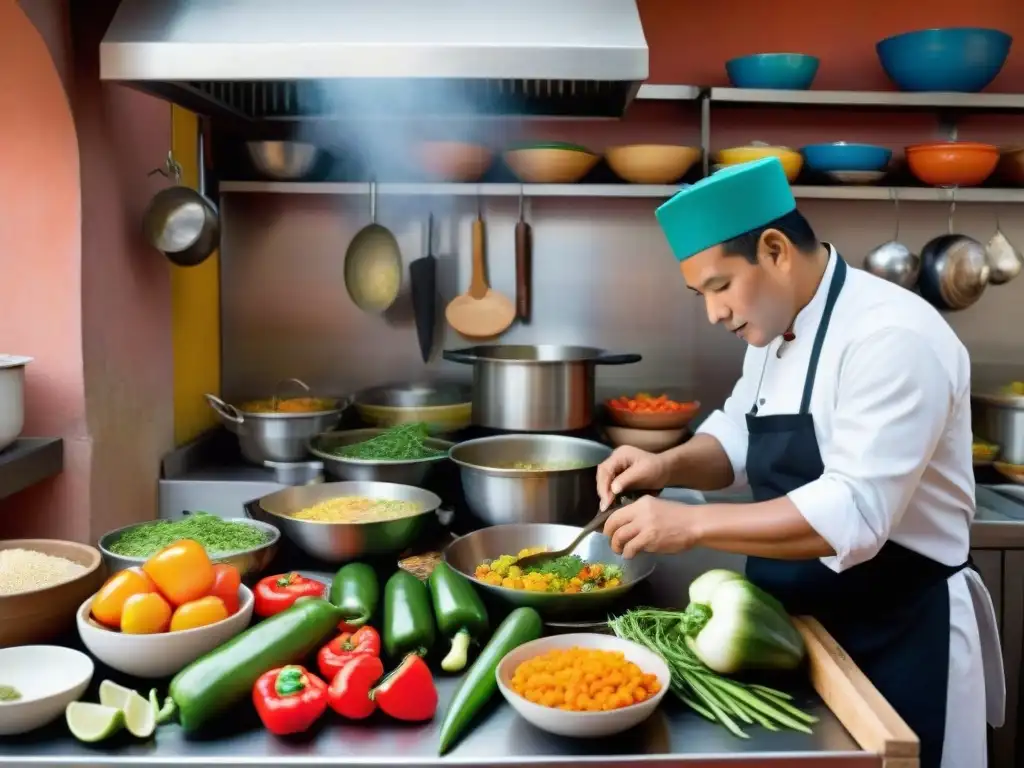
(28, 461)
(653, 191)
(669, 92)
(880, 99)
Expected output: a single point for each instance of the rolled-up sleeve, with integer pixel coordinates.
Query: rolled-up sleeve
(893, 402)
(729, 425)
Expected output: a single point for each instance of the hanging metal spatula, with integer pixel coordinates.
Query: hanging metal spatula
(622, 500)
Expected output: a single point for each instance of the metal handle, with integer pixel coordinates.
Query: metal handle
(283, 384)
(459, 356)
(623, 359)
(224, 410)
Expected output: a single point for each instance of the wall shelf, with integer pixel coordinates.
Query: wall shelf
(28, 461)
(869, 99)
(653, 191)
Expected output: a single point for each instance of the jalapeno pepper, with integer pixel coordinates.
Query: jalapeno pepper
(289, 699)
(332, 657)
(275, 593)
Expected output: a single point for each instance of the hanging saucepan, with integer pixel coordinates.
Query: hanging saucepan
(180, 222)
(954, 269)
(1004, 260)
(373, 264)
(892, 260)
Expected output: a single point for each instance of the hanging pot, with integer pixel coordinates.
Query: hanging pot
(1004, 260)
(893, 261)
(180, 222)
(954, 269)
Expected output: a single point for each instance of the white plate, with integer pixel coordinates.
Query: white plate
(583, 724)
(48, 677)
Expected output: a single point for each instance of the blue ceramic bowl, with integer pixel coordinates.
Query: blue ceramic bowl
(776, 71)
(961, 59)
(840, 156)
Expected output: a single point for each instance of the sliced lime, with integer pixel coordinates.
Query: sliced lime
(114, 695)
(139, 716)
(93, 722)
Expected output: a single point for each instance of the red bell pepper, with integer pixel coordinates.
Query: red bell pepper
(275, 593)
(408, 693)
(349, 694)
(289, 699)
(332, 657)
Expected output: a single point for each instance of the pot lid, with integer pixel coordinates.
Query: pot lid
(14, 361)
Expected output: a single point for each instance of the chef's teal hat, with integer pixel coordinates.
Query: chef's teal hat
(732, 201)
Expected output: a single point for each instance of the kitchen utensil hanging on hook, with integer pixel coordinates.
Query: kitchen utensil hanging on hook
(893, 261)
(481, 313)
(1004, 261)
(423, 277)
(373, 264)
(524, 264)
(180, 222)
(954, 268)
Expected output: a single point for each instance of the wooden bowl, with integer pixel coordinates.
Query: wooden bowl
(651, 163)
(550, 163)
(42, 614)
(1011, 165)
(657, 420)
(650, 440)
(454, 161)
(952, 164)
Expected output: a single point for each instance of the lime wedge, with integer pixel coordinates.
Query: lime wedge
(114, 695)
(139, 716)
(93, 722)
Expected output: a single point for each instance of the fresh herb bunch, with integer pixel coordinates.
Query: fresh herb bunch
(406, 442)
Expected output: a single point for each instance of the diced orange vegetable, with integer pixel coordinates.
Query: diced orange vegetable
(110, 600)
(182, 571)
(645, 403)
(226, 580)
(145, 614)
(198, 613)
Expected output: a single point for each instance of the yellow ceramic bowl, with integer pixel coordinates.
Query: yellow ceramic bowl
(792, 161)
(550, 164)
(651, 163)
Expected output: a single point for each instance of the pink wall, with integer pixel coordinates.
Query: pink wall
(83, 293)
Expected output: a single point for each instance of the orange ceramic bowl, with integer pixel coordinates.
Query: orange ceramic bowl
(453, 161)
(952, 164)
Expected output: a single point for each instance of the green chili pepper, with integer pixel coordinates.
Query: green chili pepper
(461, 615)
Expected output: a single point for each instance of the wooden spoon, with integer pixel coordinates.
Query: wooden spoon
(481, 313)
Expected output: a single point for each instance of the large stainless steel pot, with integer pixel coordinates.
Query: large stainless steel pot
(525, 388)
(276, 437)
(12, 397)
(339, 542)
(499, 494)
(999, 418)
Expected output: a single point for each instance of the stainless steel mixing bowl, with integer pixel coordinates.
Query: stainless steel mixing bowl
(340, 542)
(247, 561)
(499, 495)
(410, 472)
(467, 552)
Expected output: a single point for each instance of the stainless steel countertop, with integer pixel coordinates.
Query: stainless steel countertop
(673, 735)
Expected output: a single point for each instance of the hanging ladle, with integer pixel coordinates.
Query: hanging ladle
(893, 261)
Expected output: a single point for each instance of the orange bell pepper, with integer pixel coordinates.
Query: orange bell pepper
(226, 581)
(145, 614)
(109, 601)
(182, 571)
(198, 613)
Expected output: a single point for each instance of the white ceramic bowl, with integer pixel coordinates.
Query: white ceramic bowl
(48, 677)
(583, 724)
(162, 655)
(12, 397)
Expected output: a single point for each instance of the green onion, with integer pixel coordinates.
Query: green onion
(712, 696)
(406, 442)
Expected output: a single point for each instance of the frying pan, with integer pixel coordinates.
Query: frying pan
(180, 222)
(373, 264)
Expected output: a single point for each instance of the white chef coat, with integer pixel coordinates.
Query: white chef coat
(892, 416)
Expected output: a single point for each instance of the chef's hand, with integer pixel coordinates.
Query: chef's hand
(626, 468)
(651, 524)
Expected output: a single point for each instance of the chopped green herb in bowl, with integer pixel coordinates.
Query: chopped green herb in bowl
(217, 535)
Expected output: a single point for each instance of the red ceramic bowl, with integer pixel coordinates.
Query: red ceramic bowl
(952, 164)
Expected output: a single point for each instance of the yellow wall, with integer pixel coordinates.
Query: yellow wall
(195, 311)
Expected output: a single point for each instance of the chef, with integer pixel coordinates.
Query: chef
(851, 425)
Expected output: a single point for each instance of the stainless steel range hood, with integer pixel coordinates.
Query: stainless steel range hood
(309, 59)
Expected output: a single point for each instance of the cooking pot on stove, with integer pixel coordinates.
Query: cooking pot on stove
(546, 388)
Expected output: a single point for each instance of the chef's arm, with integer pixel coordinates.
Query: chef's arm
(893, 406)
(700, 463)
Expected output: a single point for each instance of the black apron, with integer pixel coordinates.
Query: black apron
(891, 613)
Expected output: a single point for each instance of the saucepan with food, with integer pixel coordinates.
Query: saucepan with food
(403, 454)
(278, 428)
(586, 581)
(529, 478)
(337, 522)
